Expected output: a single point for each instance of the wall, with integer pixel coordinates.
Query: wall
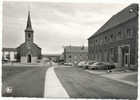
(24, 59)
(75, 56)
(101, 50)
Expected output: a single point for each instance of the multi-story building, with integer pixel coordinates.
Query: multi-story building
(74, 54)
(117, 40)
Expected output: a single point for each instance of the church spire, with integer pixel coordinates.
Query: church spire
(29, 31)
(29, 25)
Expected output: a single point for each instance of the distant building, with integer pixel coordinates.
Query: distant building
(9, 54)
(27, 52)
(75, 53)
(117, 40)
(53, 57)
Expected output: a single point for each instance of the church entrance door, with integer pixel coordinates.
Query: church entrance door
(29, 59)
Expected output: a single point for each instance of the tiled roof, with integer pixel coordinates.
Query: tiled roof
(119, 18)
(75, 49)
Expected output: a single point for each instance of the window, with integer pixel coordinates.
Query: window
(70, 56)
(111, 36)
(101, 41)
(29, 35)
(119, 35)
(105, 37)
(114, 36)
(129, 32)
(112, 51)
(96, 41)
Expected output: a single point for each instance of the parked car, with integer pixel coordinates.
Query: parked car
(102, 66)
(68, 64)
(97, 65)
(81, 63)
(88, 63)
(110, 65)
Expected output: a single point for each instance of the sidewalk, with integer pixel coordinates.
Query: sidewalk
(53, 87)
(117, 76)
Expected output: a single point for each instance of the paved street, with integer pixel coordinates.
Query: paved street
(63, 81)
(82, 84)
(26, 81)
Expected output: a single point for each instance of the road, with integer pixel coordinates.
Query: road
(78, 83)
(26, 83)
(81, 84)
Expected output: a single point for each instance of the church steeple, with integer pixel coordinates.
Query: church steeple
(29, 25)
(29, 30)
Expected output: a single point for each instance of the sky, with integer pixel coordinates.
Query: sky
(55, 24)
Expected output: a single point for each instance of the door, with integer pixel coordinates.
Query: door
(29, 59)
(126, 59)
(126, 54)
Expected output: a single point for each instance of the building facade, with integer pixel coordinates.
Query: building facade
(117, 40)
(9, 54)
(74, 54)
(27, 52)
(53, 57)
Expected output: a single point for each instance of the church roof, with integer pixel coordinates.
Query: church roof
(29, 25)
(119, 18)
(24, 44)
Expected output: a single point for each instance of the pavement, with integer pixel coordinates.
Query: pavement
(53, 87)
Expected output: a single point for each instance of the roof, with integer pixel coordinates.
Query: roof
(29, 25)
(117, 19)
(9, 49)
(23, 44)
(75, 49)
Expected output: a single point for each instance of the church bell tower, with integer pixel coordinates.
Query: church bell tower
(29, 31)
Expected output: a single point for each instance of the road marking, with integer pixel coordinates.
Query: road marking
(53, 87)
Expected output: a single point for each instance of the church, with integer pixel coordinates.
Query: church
(27, 52)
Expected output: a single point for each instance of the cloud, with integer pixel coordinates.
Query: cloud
(55, 24)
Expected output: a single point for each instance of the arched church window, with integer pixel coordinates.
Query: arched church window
(29, 35)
